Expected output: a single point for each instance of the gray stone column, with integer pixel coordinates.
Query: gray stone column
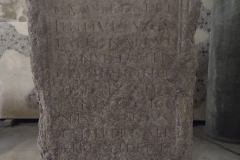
(223, 97)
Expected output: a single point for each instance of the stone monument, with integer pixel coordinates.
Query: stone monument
(115, 78)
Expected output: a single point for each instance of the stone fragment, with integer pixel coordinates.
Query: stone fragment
(115, 78)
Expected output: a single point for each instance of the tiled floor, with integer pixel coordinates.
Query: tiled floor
(19, 143)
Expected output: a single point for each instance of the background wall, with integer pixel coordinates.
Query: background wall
(18, 98)
(202, 41)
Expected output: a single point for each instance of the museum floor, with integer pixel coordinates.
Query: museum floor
(19, 143)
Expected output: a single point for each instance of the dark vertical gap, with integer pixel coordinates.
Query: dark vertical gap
(198, 123)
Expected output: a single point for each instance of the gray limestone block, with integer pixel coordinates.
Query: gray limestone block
(115, 78)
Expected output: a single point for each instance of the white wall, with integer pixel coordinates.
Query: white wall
(202, 41)
(18, 98)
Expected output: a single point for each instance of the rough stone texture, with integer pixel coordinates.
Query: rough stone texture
(115, 78)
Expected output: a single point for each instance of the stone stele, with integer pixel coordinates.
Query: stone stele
(115, 78)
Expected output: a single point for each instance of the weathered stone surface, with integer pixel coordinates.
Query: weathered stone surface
(115, 78)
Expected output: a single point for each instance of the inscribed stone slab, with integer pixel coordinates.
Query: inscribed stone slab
(115, 78)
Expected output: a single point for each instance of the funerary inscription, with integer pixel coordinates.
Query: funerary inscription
(112, 79)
